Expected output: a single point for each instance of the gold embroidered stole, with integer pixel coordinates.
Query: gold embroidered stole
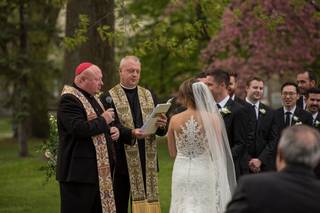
(142, 200)
(100, 144)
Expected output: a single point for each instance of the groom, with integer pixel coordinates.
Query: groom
(233, 115)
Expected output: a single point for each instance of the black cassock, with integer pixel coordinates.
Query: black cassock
(121, 175)
(77, 164)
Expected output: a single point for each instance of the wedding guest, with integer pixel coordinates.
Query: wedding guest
(263, 147)
(84, 154)
(306, 80)
(294, 188)
(136, 166)
(234, 117)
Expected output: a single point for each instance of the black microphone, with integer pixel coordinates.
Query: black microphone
(108, 100)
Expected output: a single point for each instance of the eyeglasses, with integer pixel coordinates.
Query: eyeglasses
(290, 94)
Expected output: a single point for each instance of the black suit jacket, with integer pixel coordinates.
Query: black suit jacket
(236, 123)
(265, 139)
(316, 125)
(300, 102)
(316, 122)
(76, 152)
(294, 190)
(302, 116)
(239, 100)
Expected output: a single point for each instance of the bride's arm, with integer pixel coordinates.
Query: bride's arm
(171, 142)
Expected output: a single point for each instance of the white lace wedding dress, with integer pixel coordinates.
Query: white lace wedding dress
(195, 179)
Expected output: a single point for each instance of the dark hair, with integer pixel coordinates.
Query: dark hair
(234, 74)
(220, 76)
(185, 94)
(311, 74)
(313, 91)
(254, 78)
(290, 84)
(201, 75)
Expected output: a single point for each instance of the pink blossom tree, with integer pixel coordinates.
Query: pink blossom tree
(266, 37)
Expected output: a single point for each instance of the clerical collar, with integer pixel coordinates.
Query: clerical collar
(128, 88)
(292, 110)
(224, 101)
(256, 104)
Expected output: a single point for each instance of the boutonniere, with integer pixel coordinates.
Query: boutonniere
(296, 120)
(317, 123)
(262, 111)
(225, 110)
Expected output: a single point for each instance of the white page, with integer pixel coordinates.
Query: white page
(149, 127)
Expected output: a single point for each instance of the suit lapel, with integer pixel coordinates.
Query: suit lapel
(316, 122)
(281, 117)
(261, 115)
(296, 116)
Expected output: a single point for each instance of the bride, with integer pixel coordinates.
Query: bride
(203, 174)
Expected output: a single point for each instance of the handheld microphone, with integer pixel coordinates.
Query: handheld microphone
(109, 100)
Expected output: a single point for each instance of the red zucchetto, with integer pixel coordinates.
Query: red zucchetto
(82, 67)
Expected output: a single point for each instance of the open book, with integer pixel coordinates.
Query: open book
(149, 127)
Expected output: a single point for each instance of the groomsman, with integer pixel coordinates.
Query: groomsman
(234, 117)
(305, 80)
(233, 84)
(313, 106)
(263, 147)
(289, 114)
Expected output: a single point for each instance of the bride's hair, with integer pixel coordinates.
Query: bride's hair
(185, 94)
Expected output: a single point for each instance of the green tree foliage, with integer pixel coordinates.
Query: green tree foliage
(168, 36)
(88, 25)
(27, 72)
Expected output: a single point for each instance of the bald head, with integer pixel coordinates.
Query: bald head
(299, 144)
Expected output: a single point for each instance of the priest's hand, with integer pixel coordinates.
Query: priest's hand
(114, 131)
(108, 115)
(161, 121)
(138, 133)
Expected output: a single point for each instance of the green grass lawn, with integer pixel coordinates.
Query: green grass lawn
(5, 128)
(23, 188)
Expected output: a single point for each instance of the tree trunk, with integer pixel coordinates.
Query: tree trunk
(94, 50)
(39, 111)
(40, 94)
(22, 102)
(23, 138)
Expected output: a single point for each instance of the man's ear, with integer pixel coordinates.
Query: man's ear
(313, 83)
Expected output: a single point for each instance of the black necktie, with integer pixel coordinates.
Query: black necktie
(287, 119)
(218, 105)
(254, 111)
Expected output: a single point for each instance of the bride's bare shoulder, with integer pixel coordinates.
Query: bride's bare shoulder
(183, 116)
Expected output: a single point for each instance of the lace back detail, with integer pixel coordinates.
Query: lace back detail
(191, 141)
